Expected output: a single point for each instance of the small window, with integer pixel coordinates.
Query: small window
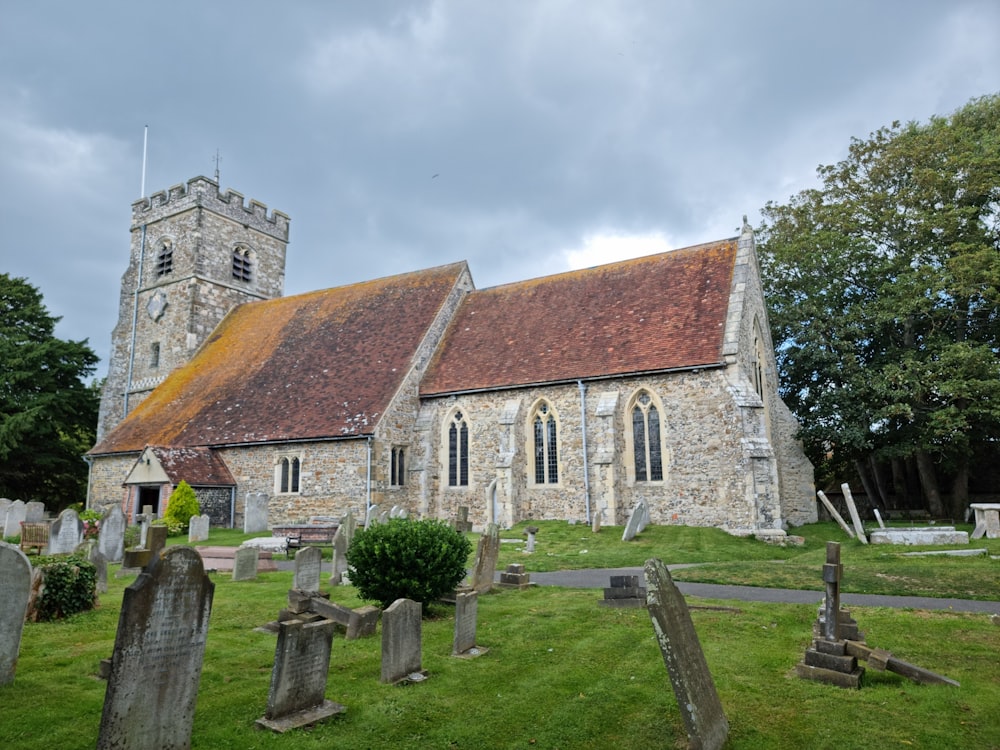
(165, 258)
(458, 451)
(647, 455)
(546, 445)
(288, 474)
(242, 264)
(397, 470)
(154, 354)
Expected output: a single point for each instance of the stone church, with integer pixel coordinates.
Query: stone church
(558, 397)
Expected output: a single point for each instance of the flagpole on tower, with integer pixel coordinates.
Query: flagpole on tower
(142, 185)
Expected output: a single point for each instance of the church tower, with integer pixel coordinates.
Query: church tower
(195, 253)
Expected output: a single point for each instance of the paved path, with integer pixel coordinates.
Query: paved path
(599, 578)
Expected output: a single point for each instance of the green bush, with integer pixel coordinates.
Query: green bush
(183, 504)
(69, 586)
(418, 560)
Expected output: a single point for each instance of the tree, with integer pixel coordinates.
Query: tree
(48, 414)
(883, 290)
(183, 504)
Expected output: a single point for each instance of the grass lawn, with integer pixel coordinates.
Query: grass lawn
(562, 672)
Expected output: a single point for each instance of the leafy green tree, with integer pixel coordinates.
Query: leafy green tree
(183, 504)
(48, 414)
(883, 289)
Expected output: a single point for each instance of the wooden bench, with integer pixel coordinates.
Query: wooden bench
(34, 535)
(301, 535)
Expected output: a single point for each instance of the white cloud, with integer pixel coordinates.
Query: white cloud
(598, 249)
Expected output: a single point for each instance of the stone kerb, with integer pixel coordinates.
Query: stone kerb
(111, 535)
(66, 533)
(401, 642)
(704, 719)
(15, 589)
(157, 659)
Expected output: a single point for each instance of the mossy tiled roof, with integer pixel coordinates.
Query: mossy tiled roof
(199, 467)
(318, 365)
(656, 313)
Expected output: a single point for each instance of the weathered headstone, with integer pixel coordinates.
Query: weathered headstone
(834, 514)
(701, 709)
(371, 516)
(156, 540)
(515, 577)
(245, 562)
(4, 504)
(485, 566)
(466, 608)
(15, 587)
(144, 520)
(859, 528)
(255, 513)
(308, 565)
(90, 550)
(66, 533)
(401, 642)
(111, 536)
(34, 512)
(595, 521)
(624, 592)
(297, 696)
(339, 565)
(878, 517)
(198, 528)
(159, 647)
(636, 521)
(462, 523)
(14, 517)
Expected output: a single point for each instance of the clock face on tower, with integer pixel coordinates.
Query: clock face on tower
(157, 305)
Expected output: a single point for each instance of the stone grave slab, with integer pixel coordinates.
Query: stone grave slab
(515, 577)
(624, 592)
(637, 521)
(919, 535)
(308, 567)
(255, 513)
(90, 550)
(701, 709)
(401, 642)
(245, 561)
(16, 514)
(66, 533)
(198, 527)
(34, 512)
(466, 609)
(339, 565)
(15, 588)
(297, 696)
(111, 535)
(157, 659)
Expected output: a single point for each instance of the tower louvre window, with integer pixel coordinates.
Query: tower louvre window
(242, 264)
(165, 258)
(154, 354)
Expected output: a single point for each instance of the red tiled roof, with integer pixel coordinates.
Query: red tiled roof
(659, 312)
(317, 365)
(199, 467)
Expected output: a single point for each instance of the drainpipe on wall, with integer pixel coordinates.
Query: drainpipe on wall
(232, 507)
(368, 481)
(90, 470)
(135, 320)
(583, 427)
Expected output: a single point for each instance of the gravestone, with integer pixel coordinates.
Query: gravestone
(245, 562)
(198, 528)
(159, 647)
(531, 531)
(487, 553)
(624, 592)
(515, 577)
(401, 642)
(15, 588)
(255, 513)
(144, 520)
(156, 540)
(308, 565)
(637, 521)
(66, 533)
(4, 504)
(16, 514)
(339, 565)
(462, 523)
(90, 550)
(111, 536)
(859, 528)
(34, 512)
(464, 644)
(595, 521)
(297, 696)
(704, 719)
(371, 516)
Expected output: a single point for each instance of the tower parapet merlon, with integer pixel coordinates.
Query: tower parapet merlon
(205, 193)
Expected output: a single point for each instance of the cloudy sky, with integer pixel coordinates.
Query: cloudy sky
(527, 138)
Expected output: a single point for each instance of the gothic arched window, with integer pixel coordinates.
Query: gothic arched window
(647, 451)
(458, 451)
(545, 445)
(288, 474)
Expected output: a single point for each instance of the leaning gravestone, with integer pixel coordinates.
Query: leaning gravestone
(401, 642)
(308, 565)
(159, 647)
(15, 587)
(704, 719)
(486, 560)
(14, 517)
(245, 562)
(198, 528)
(66, 533)
(297, 697)
(636, 521)
(34, 512)
(255, 513)
(111, 536)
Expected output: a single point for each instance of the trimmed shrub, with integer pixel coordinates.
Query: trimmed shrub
(69, 585)
(183, 504)
(402, 558)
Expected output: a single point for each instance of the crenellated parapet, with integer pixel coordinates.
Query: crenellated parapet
(201, 192)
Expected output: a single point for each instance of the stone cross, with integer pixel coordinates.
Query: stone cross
(704, 719)
(832, 573)
(156, 663)
(15, 588)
